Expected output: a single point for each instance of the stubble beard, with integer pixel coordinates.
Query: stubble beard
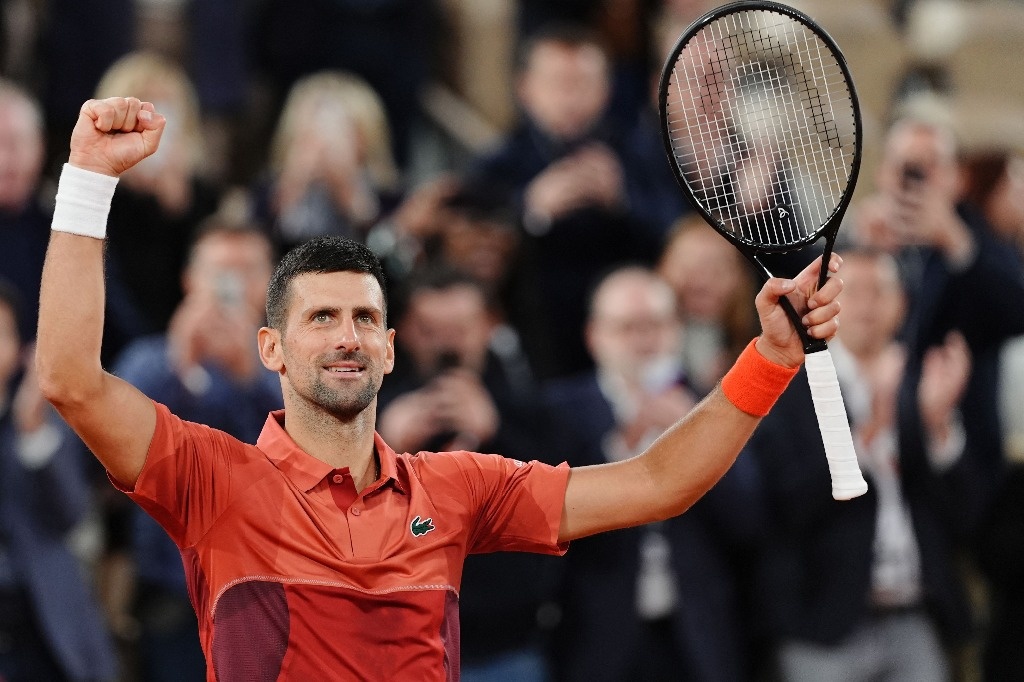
(344, 405)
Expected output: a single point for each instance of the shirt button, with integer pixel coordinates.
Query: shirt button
(355, 511)
(338, 478)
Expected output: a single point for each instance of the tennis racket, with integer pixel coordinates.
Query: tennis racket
(761, 123)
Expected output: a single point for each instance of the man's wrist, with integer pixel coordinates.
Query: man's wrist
(83, 202)
(755, 382)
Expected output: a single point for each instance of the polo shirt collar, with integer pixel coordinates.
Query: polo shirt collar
(306, 471)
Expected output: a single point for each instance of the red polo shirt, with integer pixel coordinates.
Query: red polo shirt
(296, 577)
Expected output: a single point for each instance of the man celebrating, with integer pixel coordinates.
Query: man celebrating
(320, 552)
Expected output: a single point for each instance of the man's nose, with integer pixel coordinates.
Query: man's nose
(346, 337)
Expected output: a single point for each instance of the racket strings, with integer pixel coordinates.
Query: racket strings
(757, 126)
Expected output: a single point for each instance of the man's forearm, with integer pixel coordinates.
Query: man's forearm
(70, 332)
(691, 456)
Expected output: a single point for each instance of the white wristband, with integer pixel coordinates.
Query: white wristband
(83, 202)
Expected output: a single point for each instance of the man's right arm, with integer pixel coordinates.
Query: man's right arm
(115, 420)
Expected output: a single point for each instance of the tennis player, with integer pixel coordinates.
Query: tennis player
(319, 552)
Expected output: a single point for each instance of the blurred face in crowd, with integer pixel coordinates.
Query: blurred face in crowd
(873, 302)
(633, 327)
(21, 151)
(917, 153)
(10, 344)
(565, 88)
(482, 248)
(1005, 206)
(704, 270)
(444, 327)
(234, 267)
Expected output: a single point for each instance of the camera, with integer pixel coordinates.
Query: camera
(912, 177)
(446, 360)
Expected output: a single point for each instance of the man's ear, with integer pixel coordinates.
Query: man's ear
(389, 354)
(269, 340)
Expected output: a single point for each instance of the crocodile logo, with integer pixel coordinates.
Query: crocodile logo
(421, 527)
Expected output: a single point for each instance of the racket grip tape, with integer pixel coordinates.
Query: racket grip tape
(847, 480)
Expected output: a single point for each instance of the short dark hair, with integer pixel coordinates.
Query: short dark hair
(439, 277)
(218, 225)
(320, 255)
(565, 34)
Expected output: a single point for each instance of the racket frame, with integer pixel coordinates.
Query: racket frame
(830, 229)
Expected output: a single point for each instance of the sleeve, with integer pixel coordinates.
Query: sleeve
(186, 482)
(517, 505)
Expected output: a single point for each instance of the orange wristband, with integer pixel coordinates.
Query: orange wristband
(754, 382)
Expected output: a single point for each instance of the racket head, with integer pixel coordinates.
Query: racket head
(761, 124)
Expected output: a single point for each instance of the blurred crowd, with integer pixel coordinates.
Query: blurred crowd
(555, 298)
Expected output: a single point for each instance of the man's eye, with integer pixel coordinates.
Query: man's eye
(322, 317)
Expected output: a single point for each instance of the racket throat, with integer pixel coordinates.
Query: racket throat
(811, 345)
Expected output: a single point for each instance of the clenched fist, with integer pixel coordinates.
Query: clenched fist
(114, 134)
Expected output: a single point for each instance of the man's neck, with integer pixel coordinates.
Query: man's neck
(339, 443)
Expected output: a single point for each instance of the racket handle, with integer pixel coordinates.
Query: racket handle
(847, 480)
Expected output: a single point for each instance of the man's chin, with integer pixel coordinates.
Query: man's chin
(344, 408)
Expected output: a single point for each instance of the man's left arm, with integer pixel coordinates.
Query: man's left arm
(690, 457)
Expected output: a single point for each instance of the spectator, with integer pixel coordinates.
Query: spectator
(450, 391)
(160, 201)
(995, 184)
(206, 369)
(679, 615)
(953, 266)
(713, 287)
(562, 166)
(331, 165)
(385, 42)
(50, 625)
(479, 236)
(868, 589)
(24, 222)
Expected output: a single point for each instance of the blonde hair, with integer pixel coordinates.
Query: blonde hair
(360, 103)
(151, 76)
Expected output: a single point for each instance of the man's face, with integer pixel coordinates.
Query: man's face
(919, 154)
(634, 326)
(234, 268)
(483, 249)
(565, 88)
(705, 271)
(873, 303)
(452, 322)
(21, 153)
(335, 348)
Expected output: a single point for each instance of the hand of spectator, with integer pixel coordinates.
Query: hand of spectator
(924, 214)
(884, 375)
(411, 420)
(944, 375)
(654, 414)
(591, 176)
(465, 406)
(114, 134)
(29, 407)
(205, 330)
(422, 214)
(300, 167)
